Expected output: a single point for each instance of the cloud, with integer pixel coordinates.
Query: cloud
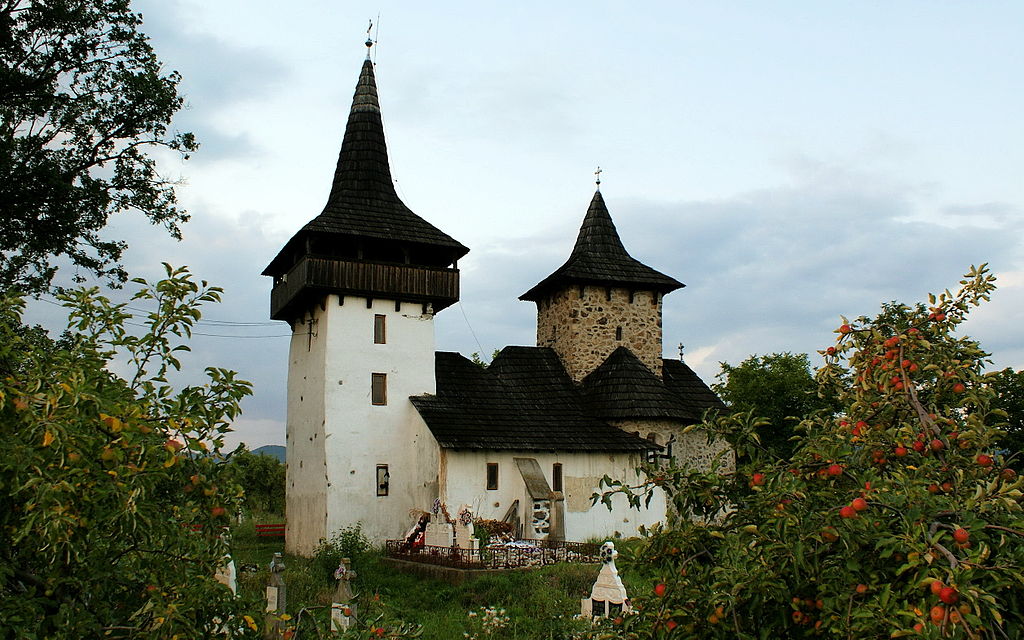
(767, 271)
(216, 75)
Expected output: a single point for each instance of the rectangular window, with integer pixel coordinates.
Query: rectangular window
(383, 479)
(379, 329)
(492, 476)
(379, 388)
(556, 476)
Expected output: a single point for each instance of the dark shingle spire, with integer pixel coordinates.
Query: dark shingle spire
(363, 202)
(599, 258)
(363, 168)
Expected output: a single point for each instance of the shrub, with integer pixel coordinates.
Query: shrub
(350, 542)
(115, 500)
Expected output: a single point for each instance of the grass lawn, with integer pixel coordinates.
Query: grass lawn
(539, 603)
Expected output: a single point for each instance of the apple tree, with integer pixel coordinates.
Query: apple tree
(115, 504)
(896, 516)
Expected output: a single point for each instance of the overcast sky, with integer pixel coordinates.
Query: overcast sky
(789, 161)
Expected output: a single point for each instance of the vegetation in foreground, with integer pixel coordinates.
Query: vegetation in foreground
(115, 497)
(897, 515)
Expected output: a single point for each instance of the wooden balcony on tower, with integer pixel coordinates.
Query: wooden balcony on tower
(313, 276)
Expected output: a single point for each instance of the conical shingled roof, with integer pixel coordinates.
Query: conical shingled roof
(599, 258)
(363, 201)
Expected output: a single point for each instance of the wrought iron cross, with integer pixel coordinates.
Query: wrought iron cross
(598, 174)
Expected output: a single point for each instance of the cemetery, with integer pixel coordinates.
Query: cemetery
(362, 591)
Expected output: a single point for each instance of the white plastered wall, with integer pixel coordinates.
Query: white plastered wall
(358, 435)
(464, 480)
(306, 480)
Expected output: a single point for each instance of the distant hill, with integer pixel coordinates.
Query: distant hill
(272, 450)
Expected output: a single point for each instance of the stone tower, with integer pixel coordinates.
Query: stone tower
(601, 299)
(359, 285)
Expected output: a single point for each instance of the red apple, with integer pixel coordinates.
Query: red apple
(959, 387)
(984, 460)
(949, 595)
(848, 512)
(961, 535)
(937, 587)
(835, 470)
(937, 445)
(173, 445)
(845, 329)
(901, 451)
(860, 504)
(660, 589)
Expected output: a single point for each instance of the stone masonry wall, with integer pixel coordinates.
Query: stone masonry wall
(582, 329)
(690, 450)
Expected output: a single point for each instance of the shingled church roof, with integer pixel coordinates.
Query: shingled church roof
(526, 401)
(599, 258)
(623, 388)
(363, 202)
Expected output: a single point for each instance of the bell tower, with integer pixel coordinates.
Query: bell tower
(601, 299)
(359, 285)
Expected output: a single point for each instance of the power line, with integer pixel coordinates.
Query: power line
(216, 323)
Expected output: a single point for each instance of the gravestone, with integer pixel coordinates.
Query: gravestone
(439, 534)
(343, 609)
(608, 596)
(464, 529)
(276, 598)
(227, 575)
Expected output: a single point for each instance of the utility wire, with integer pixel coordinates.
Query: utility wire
(216, 323)
(475, 339)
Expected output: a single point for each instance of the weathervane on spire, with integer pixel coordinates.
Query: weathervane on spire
(680, 352)
(598, 174)
(369, 40)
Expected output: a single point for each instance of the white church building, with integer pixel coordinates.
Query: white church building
(380, 424)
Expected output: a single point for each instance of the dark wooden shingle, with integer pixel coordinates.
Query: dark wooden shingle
(363, 203)
(599, 258)
(526, 401)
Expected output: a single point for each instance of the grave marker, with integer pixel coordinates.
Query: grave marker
(608, 596)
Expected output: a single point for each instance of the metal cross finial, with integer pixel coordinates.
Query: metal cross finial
(369, 40)
(680, 352)
(598, 174)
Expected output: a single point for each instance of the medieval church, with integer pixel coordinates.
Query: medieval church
(379, 424)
